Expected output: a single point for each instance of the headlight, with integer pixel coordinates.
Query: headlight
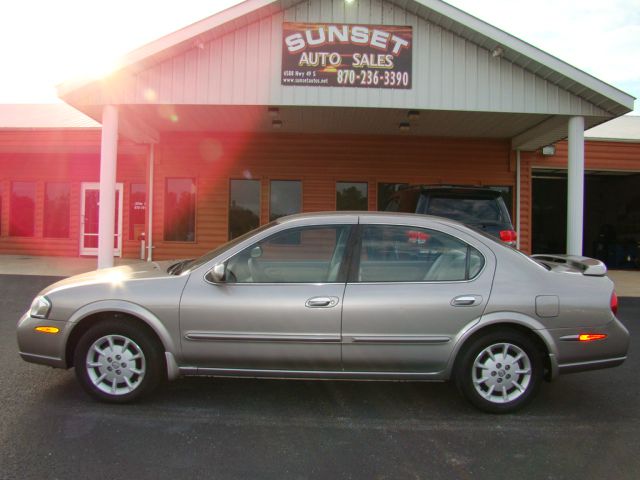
(40, 307)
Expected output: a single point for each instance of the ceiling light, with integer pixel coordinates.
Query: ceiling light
(413, 115)
(274, 111)
(276, 124)
(404, 127)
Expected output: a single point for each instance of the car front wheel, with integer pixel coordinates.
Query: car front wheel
(118, 362)
(500, 372)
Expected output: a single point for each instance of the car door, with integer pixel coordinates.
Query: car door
(412, 291)
(278, 308)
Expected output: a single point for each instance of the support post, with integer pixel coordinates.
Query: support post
(152, 157)
(107, 208)
(518, 198)
(575, 187)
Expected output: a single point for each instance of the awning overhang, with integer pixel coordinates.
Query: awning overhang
(526, 132)
(528, 127)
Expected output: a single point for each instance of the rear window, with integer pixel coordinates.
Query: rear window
(466, 210)
(404, 201)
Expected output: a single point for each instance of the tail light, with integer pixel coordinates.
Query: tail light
(614, 303)
(509, 237)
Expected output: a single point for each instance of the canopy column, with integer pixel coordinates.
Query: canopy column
(107, 207)
(575, 195)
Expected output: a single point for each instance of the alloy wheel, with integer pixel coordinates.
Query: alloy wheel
(501, 372)
(115, 364)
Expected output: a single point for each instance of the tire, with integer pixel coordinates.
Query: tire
(117, 362)
(492, 384)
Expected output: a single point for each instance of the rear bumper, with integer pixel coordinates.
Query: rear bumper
(575, 356)
(591, 365)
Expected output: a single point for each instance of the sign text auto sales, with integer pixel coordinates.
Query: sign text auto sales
(340, 55)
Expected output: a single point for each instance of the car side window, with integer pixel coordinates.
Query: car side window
(311, 254)
(395, 253)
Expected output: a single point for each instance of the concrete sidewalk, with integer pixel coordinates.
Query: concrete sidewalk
(52, 266)
(627, 281)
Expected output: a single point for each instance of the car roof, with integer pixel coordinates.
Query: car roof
(345, 216)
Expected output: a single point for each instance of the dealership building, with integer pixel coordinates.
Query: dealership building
(274, 107)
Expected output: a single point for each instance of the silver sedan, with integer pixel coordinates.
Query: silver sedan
(336, 295)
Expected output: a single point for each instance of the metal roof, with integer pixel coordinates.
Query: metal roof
(523, 54)
(438, 12)
(621, 129)
(43, 116)
(525, 93)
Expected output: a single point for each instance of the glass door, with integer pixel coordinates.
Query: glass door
(89, 216)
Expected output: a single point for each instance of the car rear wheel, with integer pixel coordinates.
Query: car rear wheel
(118, 362)
(500, 372)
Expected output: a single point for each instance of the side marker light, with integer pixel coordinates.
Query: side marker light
(47, 329)
(588, 337)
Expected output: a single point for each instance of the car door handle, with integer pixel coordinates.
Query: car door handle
(466, 301)
(321, 302)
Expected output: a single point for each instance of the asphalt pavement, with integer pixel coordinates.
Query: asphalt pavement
(583, 426)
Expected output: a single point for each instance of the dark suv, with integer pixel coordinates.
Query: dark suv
(479, 207)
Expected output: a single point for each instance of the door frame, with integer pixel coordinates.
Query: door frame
(84, 186)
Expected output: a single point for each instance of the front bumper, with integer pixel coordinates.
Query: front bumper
(42, 348)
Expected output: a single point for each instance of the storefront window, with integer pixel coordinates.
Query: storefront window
(22, 209)
(285, 198)
(180, 210)
(244, 206)
(386, 191)
(137, 210)
(351, 196)
(56, 210)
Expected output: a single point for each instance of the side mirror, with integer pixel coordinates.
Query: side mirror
(217, 273)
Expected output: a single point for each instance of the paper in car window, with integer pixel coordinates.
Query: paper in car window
(419, 238)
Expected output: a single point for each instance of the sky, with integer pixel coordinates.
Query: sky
(45, 42)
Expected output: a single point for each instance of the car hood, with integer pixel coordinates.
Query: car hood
(115, 275)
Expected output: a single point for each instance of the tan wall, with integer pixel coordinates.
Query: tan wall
(319, 161)
(60, 156)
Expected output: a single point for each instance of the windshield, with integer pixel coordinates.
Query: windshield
(231, 243)
(466, 210)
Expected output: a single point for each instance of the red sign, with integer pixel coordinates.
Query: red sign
(343, 55)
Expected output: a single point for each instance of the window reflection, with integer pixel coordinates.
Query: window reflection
(180, 210)
(56, 210)
(386, 191)
(466, 210)
(351, 196)
(507, 196)
(244, 206)
(285, 198)
(22, 211)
